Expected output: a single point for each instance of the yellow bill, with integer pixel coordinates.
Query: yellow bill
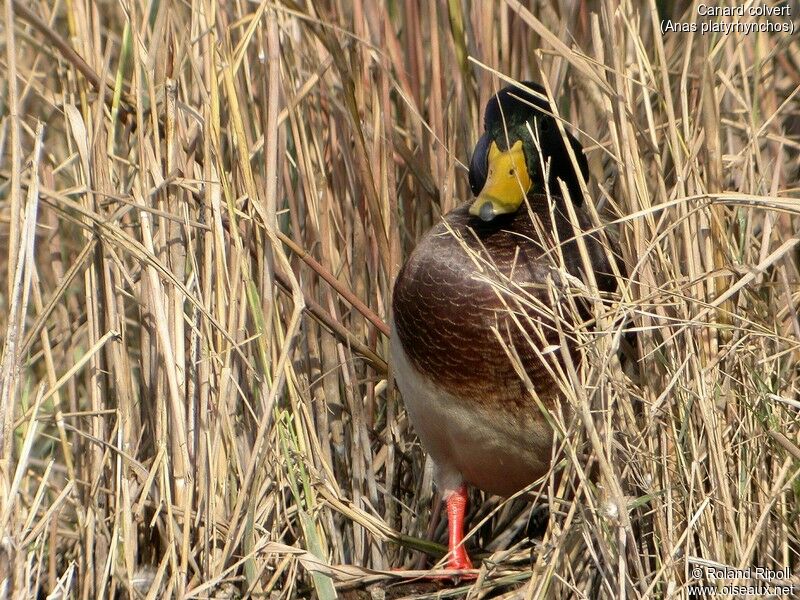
(507, 183)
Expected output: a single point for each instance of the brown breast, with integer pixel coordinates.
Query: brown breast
(467, 278)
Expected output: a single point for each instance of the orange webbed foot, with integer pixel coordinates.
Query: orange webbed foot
(456, 510)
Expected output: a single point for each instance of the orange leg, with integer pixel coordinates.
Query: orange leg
(456, 507)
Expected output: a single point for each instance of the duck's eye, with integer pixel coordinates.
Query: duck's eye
(511, 172)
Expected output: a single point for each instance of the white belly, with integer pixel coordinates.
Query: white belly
(493, 449)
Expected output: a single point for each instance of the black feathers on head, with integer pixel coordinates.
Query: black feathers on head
(517, 104)
(479, 165)
(506, 120)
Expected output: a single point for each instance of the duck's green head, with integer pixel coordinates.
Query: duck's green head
(506, 164)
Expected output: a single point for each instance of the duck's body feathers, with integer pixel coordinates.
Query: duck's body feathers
(465, 284)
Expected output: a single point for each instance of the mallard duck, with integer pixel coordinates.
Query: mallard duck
(474, 290)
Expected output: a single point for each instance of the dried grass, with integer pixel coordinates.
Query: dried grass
(204, 207)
